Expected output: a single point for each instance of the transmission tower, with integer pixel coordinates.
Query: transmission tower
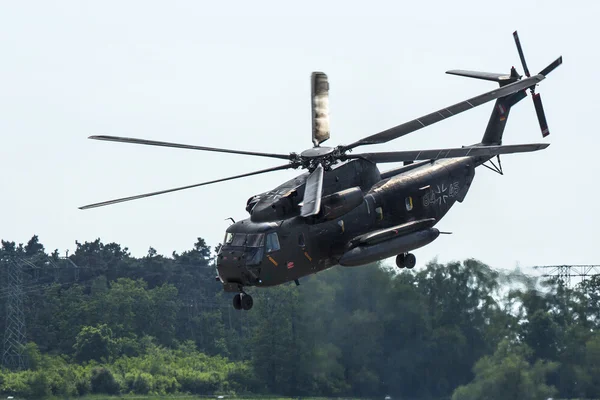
(15, 291)
(14, 335)
(564, 273)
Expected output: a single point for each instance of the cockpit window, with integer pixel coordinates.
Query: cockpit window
(255, 240)
(254, 255)
(272, 242)
(228, 237)
(239, 239)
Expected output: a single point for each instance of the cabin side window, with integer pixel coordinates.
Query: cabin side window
(272, 242)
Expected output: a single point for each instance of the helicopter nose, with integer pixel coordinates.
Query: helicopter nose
(229, 264)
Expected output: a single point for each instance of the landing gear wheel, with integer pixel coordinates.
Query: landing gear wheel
(237, 301)
(410, 260)
(247, 301)
(400, 260)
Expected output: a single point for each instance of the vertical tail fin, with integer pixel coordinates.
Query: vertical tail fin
(497, 123)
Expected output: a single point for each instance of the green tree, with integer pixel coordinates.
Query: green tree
(541, 334)
(94, 343)
(592, 366)
(508, 375)
(461, 306)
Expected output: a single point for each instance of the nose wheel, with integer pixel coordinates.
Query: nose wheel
(242, 301)
(406, 260)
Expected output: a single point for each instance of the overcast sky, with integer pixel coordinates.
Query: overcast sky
(236, 74)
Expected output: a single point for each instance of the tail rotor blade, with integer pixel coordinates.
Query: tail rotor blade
(552, 66)
(539, 110)
(521, 55)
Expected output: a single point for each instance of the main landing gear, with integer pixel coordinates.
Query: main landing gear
(242, 301)
(406, 260)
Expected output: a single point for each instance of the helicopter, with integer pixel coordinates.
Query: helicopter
(343, 210)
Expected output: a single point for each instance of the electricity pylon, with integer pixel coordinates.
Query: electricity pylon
(564, 273)
(14, 335)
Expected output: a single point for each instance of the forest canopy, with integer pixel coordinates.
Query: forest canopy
(103, 321)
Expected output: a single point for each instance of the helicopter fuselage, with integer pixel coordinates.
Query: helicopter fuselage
(275, 252)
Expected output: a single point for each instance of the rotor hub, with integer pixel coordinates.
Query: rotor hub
(317, 152)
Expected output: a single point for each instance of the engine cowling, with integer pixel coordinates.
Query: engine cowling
(340, 203)
(274, 208)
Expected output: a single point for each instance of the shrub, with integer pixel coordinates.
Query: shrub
(143, 383)
(165, 385)
(197, 382)
(103, 381)
(139, 382)
(39, 385)
(16, 384)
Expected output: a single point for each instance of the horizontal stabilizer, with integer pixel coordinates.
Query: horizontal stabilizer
(488, 76)
(473, 151)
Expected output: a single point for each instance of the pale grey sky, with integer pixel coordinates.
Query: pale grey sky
(236, 74)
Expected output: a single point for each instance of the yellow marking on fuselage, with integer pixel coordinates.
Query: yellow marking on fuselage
(272, 260)
(307, 256)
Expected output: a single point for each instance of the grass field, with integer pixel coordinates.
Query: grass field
(185, 397)
(190, 397)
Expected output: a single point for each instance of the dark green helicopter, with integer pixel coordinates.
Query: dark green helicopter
(343, 210)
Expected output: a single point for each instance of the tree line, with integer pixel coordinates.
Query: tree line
(162, 324)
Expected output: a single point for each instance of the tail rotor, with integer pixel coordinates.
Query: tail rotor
(537, 100)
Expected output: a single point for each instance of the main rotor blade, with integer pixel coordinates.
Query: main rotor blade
(186, 146)
(417, 155)
(426, 120)
(311, 204)
(141, 196)
(319, 96)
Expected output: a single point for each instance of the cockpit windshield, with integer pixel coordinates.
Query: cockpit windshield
(255, 244)
(255, 240)
(254, 248)
(239, 239)
(245, 240)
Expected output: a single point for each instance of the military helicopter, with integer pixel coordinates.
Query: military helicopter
(343, 210)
